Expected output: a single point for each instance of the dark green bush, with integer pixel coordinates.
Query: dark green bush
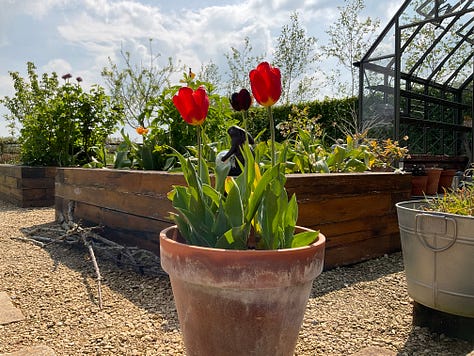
(335, 114)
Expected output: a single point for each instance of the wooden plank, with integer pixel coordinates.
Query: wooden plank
(122, 227)
(144, 182)
(27, 186)
(44, 182)
(311, 185)
(358, 230)
(10, 170)
(157, 206)
(360, 251)
(341, 208)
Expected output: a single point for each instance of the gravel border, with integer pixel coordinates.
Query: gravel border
(350, 308)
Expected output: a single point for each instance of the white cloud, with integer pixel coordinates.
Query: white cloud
(58, 65)
(91, 31)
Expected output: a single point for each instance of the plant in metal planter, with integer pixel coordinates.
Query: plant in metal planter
(437, 238)
(240, 269)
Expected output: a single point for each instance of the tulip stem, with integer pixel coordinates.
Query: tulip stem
(272, 132)
(198, 128)
(244, 123)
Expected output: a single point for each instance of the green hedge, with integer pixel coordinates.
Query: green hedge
(335, 113)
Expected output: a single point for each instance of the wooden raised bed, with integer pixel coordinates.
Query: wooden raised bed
(27, 186)
(356, 211)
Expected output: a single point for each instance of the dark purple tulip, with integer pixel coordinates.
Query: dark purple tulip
(241, 101)
(79, 79)
(67, 76)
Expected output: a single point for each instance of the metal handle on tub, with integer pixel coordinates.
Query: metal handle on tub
(437, 222)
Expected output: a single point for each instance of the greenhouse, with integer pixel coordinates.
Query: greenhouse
(416, 80)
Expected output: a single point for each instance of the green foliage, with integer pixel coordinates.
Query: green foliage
(459, 201)
(148, 155)
(250, 211)
(332, 113)
(60, 124)
(167, 129)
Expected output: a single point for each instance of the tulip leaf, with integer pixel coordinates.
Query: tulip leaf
(235, 238)
(233, 205)
(304, 238)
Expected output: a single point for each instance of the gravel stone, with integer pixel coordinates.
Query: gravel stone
(350, 309)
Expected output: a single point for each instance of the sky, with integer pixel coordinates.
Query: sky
(79, 36)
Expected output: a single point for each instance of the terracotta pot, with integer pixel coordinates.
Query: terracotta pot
(232, 302)
(446, 180)
(418, 185)
(433, 180)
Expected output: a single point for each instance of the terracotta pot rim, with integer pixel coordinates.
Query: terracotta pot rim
(250, 269)
(316, 244)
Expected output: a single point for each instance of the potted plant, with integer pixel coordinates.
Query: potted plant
(240, 269)
(437, 237)
(418, 181)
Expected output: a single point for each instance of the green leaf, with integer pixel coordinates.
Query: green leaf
(221, 224)
(304, 238)
(212, 194)
(235, 238)
(256, 197)
(355, 165)
(233, 205)
(269, 216)
(221, 172)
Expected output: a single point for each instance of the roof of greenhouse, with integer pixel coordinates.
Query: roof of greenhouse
(434, 39)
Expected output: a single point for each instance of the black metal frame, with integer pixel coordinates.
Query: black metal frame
(430, 107)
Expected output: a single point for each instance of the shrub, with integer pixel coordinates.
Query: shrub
(61, 125)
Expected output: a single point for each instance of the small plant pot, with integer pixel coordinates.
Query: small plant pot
(446, 180)
(418, 185)
(433, 180)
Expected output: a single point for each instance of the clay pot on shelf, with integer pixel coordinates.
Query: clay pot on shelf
(446, 180)
(433, 180)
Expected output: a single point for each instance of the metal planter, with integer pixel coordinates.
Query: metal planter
(438, 254)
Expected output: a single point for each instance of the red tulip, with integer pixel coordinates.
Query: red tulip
(265, 81)
(241, 100)
(192, 105)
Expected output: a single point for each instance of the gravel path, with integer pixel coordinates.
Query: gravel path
(55, 288)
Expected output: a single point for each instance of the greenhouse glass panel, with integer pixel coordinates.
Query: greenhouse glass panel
(421, 83)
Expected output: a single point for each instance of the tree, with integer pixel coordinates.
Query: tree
(349, 39)
(137, 86)
(209, 72)
(240, 63)
(295, 53)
